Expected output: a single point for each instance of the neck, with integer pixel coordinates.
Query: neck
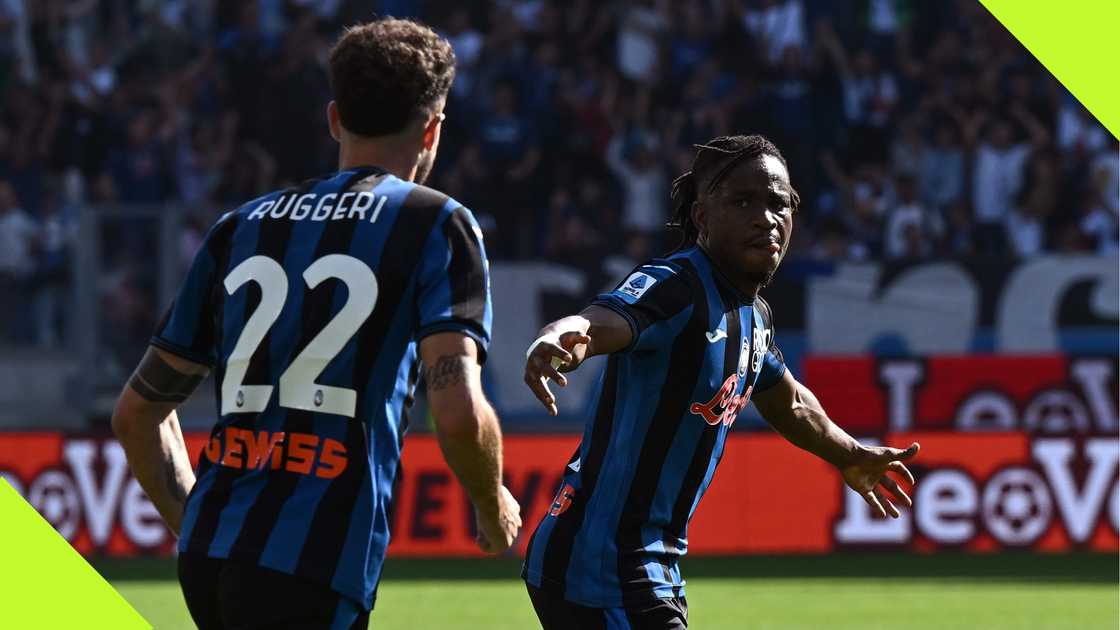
(746, 284)
(394, 156)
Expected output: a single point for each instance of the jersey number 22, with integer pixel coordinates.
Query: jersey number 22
(298, 389)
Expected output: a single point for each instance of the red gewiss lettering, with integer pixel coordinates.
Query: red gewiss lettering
(301, 453)
(725, 398)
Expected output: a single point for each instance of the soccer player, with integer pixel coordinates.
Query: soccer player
(690, 343)
(312, 306)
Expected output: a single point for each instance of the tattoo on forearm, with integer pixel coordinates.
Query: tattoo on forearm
(448, 371)
(156, 381)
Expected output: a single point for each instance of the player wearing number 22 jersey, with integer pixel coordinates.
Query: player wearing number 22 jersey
(314, 307)
(310, 302)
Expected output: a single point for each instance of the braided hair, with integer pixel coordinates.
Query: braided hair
(713, 161)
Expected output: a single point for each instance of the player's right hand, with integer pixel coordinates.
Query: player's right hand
(498, 526)
(561, 347)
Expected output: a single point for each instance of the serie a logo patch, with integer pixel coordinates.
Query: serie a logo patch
(637, 284)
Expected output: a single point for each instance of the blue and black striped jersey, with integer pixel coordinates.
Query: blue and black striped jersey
(619, 523)
(309, 304)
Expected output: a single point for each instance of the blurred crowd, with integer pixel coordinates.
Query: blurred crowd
(912, 129)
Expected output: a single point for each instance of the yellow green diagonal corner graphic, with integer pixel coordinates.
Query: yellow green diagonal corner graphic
(45, 583)
(1077, 41)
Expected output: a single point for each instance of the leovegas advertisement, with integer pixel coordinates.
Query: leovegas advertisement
(1036, 393)
(979, 492)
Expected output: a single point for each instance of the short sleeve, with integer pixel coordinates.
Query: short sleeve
(773, 363)
(189, 327)
(454, 282)
(650, 298)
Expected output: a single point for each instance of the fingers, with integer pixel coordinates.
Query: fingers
(503, 526)
(541, 365)
(873, 500)
(571, 339)
(885, 502)
(515, 507)
(901, 469)
(899, 493)
(539, 386)
(550, 351)
(548, 370)
(886, 453)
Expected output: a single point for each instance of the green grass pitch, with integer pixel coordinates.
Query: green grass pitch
(836, 591)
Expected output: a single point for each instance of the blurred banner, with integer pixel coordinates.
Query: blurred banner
(976, 491)
(1043, 393)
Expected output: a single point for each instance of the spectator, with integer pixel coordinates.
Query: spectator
(776, 25)
(959, 237)
(791, 89)
(203, 155)
(642, 28)
(579, 225)
(507, 159)
(886, 23)
(467, 43)
(17, 62)
(1077, 131)
(298, 79)
(633, 160)
(1039, 198)
(833, 242)
(32, 119)
(18, 236)
(693, 43)
(941, 168)
(1105, 176)
(998, 174)
(907, 149)
(912, 230)
(1098, 223)
(870, 97)
(52, 274)
(866, 196)
(138, 168)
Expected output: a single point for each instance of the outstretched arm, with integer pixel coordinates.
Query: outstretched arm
(145, 423)
(796, 413)
(565, 343)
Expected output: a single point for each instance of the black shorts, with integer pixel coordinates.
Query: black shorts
(230, 595)
(557, 613)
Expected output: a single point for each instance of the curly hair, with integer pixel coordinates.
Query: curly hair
(713, 161)
(386, 73)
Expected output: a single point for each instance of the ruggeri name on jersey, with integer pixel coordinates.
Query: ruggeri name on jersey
(328, 207)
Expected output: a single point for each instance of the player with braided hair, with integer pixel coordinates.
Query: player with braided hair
(690, 343)
(713, 161)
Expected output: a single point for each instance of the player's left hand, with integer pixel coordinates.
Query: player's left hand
(866, 473)
(499, 524)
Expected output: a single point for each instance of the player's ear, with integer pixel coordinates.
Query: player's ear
(432, 129)
(699, 217)
(334, 121)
